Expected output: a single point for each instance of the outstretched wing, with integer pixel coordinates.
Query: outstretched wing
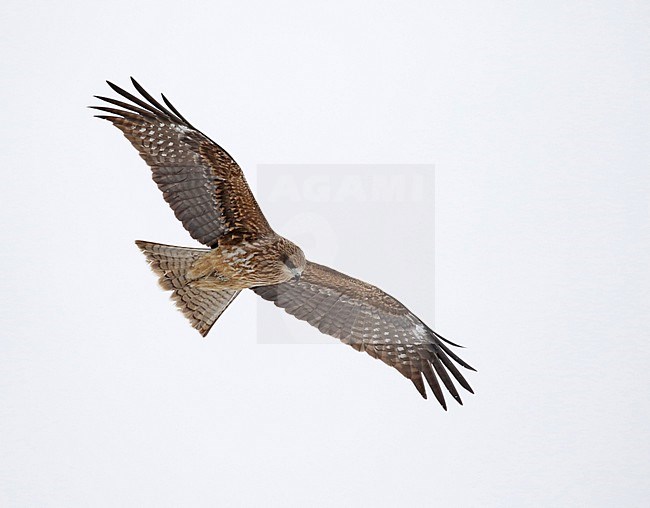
(201, 182)
(370, 320)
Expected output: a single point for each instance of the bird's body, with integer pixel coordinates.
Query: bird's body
(244, 264)
(208, 193)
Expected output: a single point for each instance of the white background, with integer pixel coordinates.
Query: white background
(535, 115)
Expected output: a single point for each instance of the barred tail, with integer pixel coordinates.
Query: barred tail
(171, 264)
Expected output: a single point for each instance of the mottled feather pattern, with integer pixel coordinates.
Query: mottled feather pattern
(171, 263)
(369, 320)
(202, 183)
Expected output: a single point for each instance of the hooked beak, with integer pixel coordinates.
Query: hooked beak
(296, 274)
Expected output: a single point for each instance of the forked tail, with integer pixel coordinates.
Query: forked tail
(171, 264)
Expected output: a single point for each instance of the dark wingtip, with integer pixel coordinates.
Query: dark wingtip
(430, 376)
(99, 108)
(103, 98)
(419, 385)
(174, 110)
(436, 334)
(455, 357)
(119, 90)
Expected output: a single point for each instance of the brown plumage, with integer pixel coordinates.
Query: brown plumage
(208, 193)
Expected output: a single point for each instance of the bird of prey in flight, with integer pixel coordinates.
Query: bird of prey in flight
(208, 193)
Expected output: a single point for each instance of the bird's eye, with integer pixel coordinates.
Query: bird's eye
(289, 264)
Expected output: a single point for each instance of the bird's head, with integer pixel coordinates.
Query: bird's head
(293, 261)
